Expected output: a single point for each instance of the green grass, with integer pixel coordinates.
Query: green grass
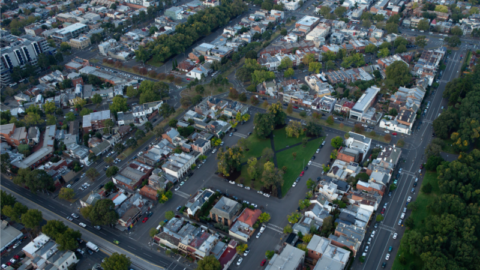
(294, 167)
(448, 148)
(418, 215)
(154, 63)
(281, 140)
(256, 147)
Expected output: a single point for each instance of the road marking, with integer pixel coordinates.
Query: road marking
(132, 247)
(240, 135)
(182, 194)
(274, 229)
(147, 255)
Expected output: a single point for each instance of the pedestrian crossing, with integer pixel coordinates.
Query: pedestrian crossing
(316, 164)
(182, 194)
(240, 135)
(275, 228)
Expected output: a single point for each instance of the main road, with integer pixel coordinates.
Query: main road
(414, 156)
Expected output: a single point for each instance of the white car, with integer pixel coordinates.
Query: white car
(214, 150)
(231, 182)
(69, 186)
(258, 234)
(82, 224)
(309, 162)
(266, 195)
(260, 192)
(246, 252)
(240, 185)
(395, 236)
(366, 248)
(386, 131)
(177, 188)
(182, 183)
(247, 188)
(294, 184)
(387, 257)
(318, 151)
(263, 228)
(409, 198)
(240, 261)
(75, 215)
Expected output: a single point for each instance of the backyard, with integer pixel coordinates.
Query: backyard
(418, 215)
(283, 156)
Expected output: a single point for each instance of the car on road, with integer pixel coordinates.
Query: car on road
(177, 187)
(414, 184)
(231, 182)
(258, 234)
(240, 261)
(376, 225)
(82, 224)
(394, 134)
(144, 219)
(80, 251)
(310, 162)
(386, 131)
(395, 236)
(384, 264)
(390, 249)
(302, 173)
(16, 245)
(182, 183)
(395, 182)
(240, 185)
(97, 227)
(409, 199)
(75, 215)
(413, 190)
(387, 257)
(318, 151)
(390, 194)
(294, 184)
(246, 252)
(383, 211)
(263, 262)
(369, 241)
(306, 168)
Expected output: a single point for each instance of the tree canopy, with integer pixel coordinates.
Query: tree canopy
(399, 73)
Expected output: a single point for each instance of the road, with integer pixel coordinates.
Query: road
(413, 154)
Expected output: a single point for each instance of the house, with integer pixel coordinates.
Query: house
(363, 104)
(9, 235)
(196, 202)
(43, 253)
(316, 212)
(177, 165)
(43, 153)
(95, 120)
(186, 65)
(12, 135)
(198, 72)
(133, 175)
(224, 211)
(349, 236)
(360, 143)
(290, 258)
(327, 255)
(146, 109)
(201, 146)
(344, 106)
(325, 104)
(149, 192)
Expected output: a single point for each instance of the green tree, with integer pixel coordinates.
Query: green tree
(287, 229)
(456, 31)
(264, 124)
(314, 67)
(421, 41)
(269, 253)
(32, 219)
(119, 104)
(383, 53)
(423, 25)
(49, 107)
(70, 116)
(66, 193)
(229, 160)
(294, 217)
(64, 46)
(209, 263)
(103, 213)
(311, 184)
(6, 199)
(109, 186)
(113, 170)
(391, 28)
(289, 73)
(427, 188)
(379, 218)
(337, 142)
(51, 120)
(370, 48)
(241, 248)
(399, 73)
(330, 120)
(15, 212)
(401, 49)
(286, 63)
(264, 217)
(294, 129)
(92, 173)
(116, 262)
(340, 11)
(97, 99)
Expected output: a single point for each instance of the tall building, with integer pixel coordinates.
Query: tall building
(19, 51)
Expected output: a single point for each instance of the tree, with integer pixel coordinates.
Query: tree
(433, 162)
(287, 229)
(383, 52)
(131, 142)
(209, 263)
(330, 120)
(229, 160)
(200, 89)
(118, 147)
(264, 124)
(264, 217)
(283, 32)
(153, 231)
(85, 111)
(379, 218)
(311, 184)
(169, 215)
(33, 119)
(453, 41)
(370, 48)
(391, 28)
(119, 104)
(164, 196)
(241, 248)
(109, 186)
(64, 46)
(302, 204)
(340, 11)
(325, 10)
(113, 170)
(456, 31)
(423, 25)
(70, 116)
(269, 253)
(294, 129)
(32, 219)
(36, 180)
(333, 154)
(294, 217)
(313, 130)
(399, 73)
(289, 73)
(337, 142)
(97, 99)
(432, 149)
(92, 173)
(421, 41)
(401, 49)
(116, 262)
(294, 155)
(103, 213)
(66, 193)
(286, 63)
(427, 188)
(6, 199)
(387, 137)
(441, 8)
(15, 212)
(49, 107)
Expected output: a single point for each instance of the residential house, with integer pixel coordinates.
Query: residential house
(177, 165)
(327, 255)
(95, 120)
(225, 211)
(290, 258)
(195, 203)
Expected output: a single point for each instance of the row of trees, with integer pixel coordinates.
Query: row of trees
(197, 26)
(459, 122)
(448, 236)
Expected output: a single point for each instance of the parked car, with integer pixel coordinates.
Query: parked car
(240, 261)
(82, 224)
(75, 215)
(144, 219)
(395, 236)
(263, 262)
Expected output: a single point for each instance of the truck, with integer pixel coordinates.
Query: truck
(92, 246)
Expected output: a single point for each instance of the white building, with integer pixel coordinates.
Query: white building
(197, 72)
(178, 164)
(69, 32)
(359, 142)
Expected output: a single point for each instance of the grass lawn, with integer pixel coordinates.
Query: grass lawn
(294, 167)
(281, 139)
(256, 147)
(154, 63)
(209, 90)
(420, 214)
(448, 147)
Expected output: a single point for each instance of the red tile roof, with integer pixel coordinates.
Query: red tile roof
(250, 216)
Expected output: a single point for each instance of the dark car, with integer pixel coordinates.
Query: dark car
(306, 168)
(384, 264)
(313, 158)
(415, 184)
(376, 225)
